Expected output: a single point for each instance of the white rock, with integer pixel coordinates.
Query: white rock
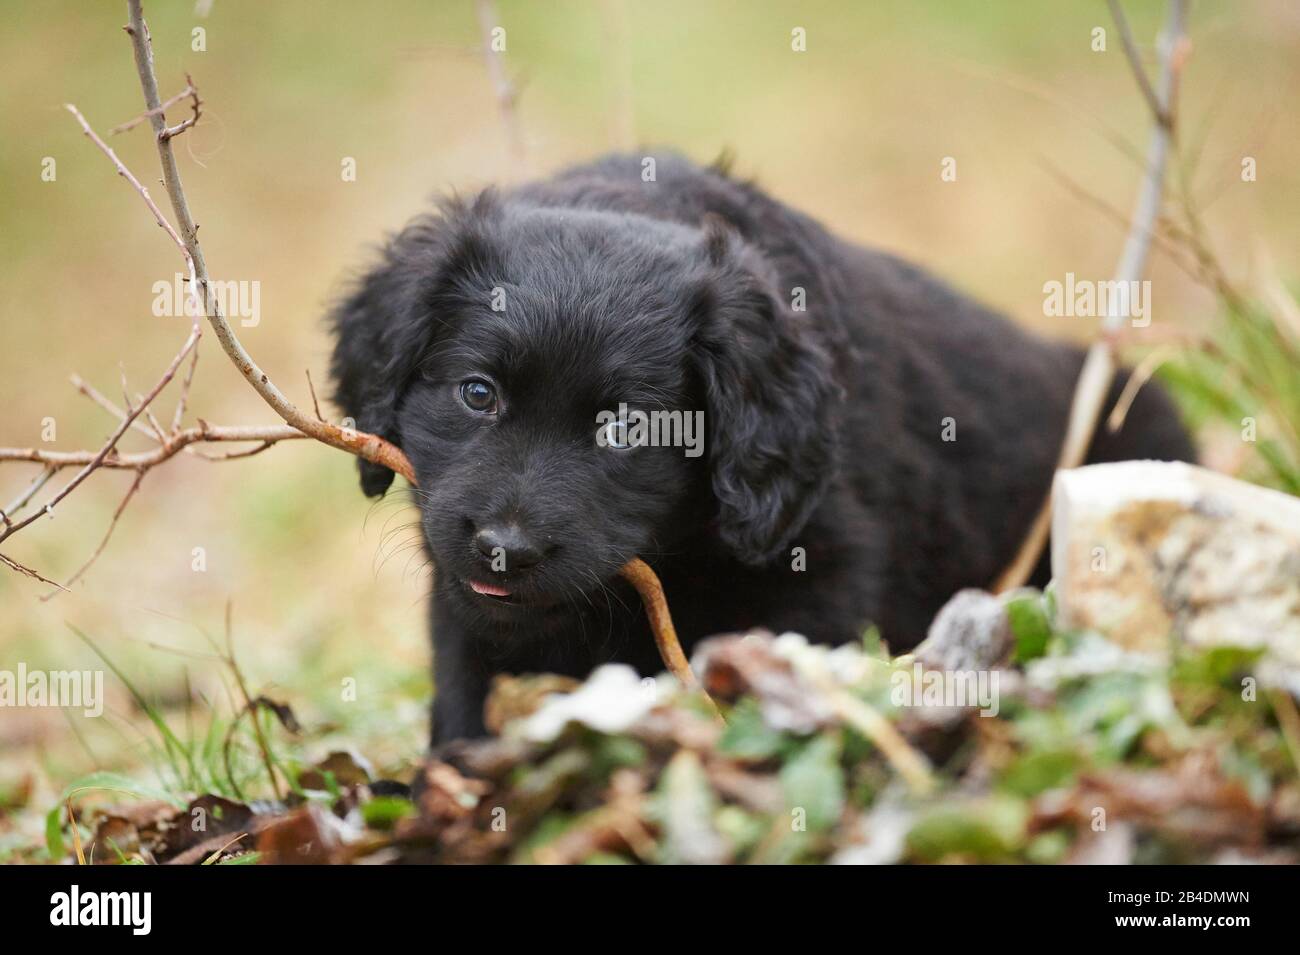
(612, 700)
(1149, 553)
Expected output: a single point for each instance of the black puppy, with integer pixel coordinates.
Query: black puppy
(874, 441)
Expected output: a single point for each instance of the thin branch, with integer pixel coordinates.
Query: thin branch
(126, 389)
(129, 177)
(176, 442)
(103, 543)
(314, 403)
(1158, 105)
(1099, 364)
(184, 398)
(503, 87)
(102, 455)
(155, 427)
(1165, 244)
(232, 455)
(371, 447)
(196, 105)
(94, 395)
(22, 499)
(26, 571)
(162, 108)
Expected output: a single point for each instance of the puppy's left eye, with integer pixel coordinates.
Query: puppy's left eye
(478, 396)
(614, 435)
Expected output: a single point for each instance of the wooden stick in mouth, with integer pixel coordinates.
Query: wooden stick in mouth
(638, 573)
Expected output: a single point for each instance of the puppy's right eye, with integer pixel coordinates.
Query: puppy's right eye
(614, 435)
(478, 396)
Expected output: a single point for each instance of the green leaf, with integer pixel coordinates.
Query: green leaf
(1217, 667)
(748, 736)
(383, 812)
(54, 833)
(985, 829)
(1029, 625)
(1036, 772)
(813, 782)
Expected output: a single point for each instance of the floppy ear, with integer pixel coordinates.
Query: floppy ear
(385, 326)
(771, 401)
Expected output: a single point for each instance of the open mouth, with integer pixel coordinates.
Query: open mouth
(490, 590)
(500, 595)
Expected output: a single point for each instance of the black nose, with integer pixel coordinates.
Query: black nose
(508, 547)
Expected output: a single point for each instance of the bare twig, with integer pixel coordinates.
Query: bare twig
(174, 443)
(232, 455)
(162, 108)
(1099, 365)
(1159, 105)
(103, 543)
(184, 399)
(26, 571)
(103, 453)
(21, 501)
(371, 447)
(1168, 244)
(314, 403)
(135, 184)
(503, 87)
(638, 573)
(153, 422)
(94, 395)
(196, 105)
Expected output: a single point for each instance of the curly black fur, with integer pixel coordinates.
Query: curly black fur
(826, 498)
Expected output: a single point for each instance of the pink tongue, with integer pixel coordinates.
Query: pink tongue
(488, 590)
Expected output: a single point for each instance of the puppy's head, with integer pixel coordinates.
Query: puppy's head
(512, 350)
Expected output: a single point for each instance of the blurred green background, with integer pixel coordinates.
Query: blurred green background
(326, 585)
